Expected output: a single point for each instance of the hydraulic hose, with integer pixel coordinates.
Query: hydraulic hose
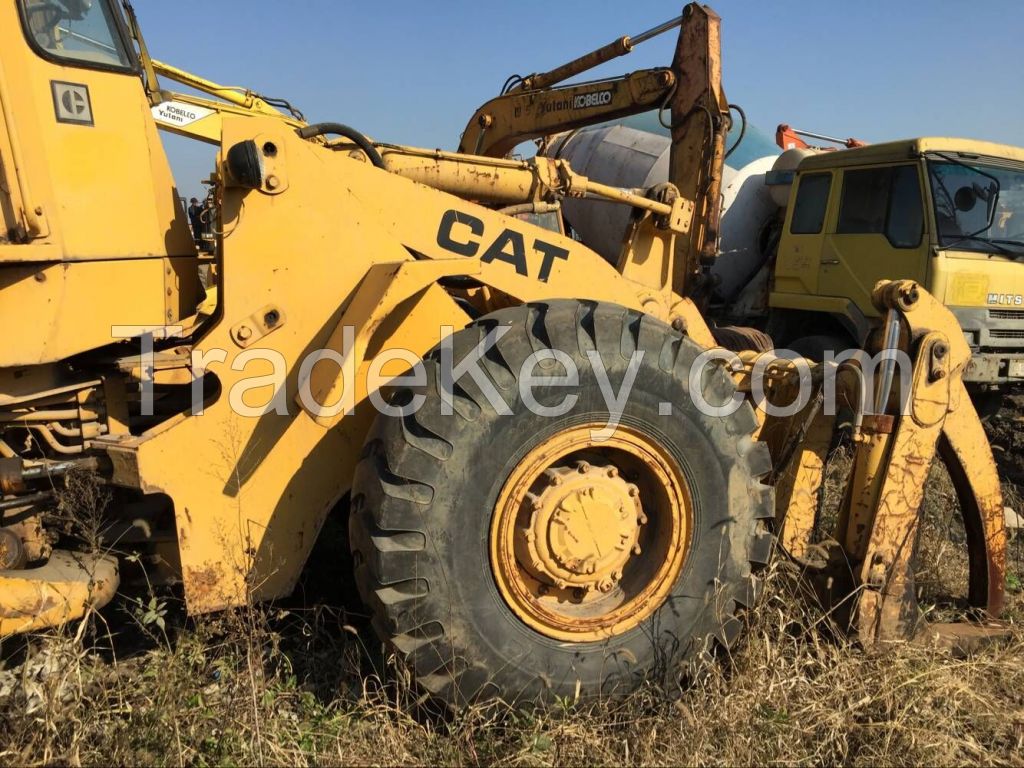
(320, 129)
(743, 128)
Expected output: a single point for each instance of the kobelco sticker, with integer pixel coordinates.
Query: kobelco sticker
(1006, 299)
(580, 101)
(595, 99)
(178, 113)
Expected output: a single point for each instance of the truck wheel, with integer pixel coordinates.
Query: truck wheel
(521, 556)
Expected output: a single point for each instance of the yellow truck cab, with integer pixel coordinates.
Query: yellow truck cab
(946, 212)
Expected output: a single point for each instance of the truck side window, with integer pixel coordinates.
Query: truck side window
(885, 201)
(811, 201)
(906, 213)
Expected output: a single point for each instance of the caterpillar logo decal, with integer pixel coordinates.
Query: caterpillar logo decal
(463, 234)
(71, 102)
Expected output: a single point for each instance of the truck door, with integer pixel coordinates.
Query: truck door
(877, 234)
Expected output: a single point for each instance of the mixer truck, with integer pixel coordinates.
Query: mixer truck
(806, 235)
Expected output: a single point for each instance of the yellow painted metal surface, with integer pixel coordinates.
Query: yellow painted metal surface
(85, 178)
(198, 117)
(879, 519)
(520, 115)
(907, 149)
(814, 271)
(335, 242)
(829, 267)
(58, 592)
(970, 280)
(63, 309)
(377, 299)
(93, 202)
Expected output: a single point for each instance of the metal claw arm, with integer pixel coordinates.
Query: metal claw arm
(870, 573)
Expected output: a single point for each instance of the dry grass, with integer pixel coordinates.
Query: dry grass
(288, 685)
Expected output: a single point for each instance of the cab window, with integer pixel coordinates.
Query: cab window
(811, 202)
(885, 201)
(84, 32)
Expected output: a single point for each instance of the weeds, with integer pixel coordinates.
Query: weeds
(287, 684)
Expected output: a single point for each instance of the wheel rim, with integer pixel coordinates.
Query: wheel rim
(588, 538)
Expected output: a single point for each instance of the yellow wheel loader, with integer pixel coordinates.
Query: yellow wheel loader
(555, 479)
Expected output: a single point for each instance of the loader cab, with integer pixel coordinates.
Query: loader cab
(92, 235)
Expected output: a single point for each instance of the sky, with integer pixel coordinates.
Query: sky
(414, 72)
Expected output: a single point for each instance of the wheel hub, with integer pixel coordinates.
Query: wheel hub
(589, 536)
(584, 526)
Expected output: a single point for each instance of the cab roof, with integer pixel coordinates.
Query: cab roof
(908, 149)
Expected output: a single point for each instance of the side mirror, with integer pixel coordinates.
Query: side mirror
(965, 199)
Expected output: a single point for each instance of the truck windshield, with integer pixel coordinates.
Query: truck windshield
(978, 207)
(76, 31)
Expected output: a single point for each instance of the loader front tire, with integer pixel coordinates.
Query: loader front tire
(520, 556)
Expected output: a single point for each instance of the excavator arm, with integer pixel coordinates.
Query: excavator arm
(700, 124)
(531, 107)
(199, 117)
(517, 116)
(195, 116)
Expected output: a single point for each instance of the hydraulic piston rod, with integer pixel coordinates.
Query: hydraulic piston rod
(613, 50)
